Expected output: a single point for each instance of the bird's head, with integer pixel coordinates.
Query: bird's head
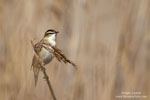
(50, 32)
(50, 36)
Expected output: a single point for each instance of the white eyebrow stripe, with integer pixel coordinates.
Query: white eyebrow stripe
(50, 32)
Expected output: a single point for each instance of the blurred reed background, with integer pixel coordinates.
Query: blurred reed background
(109, 40)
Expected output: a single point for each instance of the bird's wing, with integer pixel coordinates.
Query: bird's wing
(35, 61)
(38, 46)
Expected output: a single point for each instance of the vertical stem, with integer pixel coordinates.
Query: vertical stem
(48, 83)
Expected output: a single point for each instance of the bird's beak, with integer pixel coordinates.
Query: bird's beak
(57, 32)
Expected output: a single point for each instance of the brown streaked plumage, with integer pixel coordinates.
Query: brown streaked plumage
(46, 49)
(59, 55)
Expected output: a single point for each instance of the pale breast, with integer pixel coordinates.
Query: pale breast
(46, 56)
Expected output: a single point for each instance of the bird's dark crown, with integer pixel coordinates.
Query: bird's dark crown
(50, 31)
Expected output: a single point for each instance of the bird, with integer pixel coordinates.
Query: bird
(46, 50)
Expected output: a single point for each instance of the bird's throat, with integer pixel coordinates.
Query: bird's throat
(51, 39)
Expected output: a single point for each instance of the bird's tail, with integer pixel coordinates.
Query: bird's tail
(36, 68)
(36, 74)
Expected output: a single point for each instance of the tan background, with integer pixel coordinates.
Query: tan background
(108, 39)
